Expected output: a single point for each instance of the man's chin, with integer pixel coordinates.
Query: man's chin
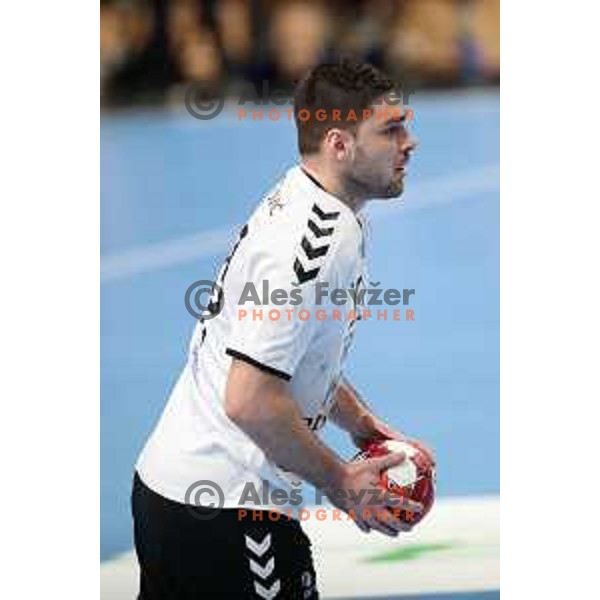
(396, 189)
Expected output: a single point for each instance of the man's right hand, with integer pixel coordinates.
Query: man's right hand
(262, 406)
(358, 489)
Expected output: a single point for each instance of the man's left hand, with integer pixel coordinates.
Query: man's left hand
(370, 428)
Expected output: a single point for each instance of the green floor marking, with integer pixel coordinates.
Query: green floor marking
(409, 553)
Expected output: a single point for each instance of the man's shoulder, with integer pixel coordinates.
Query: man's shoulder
(292, 210)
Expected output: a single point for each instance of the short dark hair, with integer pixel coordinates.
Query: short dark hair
(345, 86)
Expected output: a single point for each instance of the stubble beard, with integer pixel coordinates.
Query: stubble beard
(363, 185)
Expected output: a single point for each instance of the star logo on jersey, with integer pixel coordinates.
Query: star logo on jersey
(274, 202)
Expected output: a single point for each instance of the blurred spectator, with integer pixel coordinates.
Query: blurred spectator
(424, 40)
(184, 18)
(360, 32)
(298, 38)
(233, 21)
(198, 58)
(149, 48)
(485, 31)
(124, 33)
(143, 71)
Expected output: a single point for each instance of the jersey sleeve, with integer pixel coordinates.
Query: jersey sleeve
(274, 336)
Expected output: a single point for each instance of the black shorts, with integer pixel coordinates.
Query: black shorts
(184, 558)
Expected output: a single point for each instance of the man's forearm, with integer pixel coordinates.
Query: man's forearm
(275, 424)
(349, 408)
(352, 414)
(286, 440)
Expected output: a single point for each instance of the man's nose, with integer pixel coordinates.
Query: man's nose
(410, 144)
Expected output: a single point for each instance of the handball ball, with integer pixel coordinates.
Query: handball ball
(414, 479)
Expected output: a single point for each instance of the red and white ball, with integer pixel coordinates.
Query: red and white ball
(414, 479)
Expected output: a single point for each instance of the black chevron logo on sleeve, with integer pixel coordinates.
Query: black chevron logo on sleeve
(304, 276)
(311, 252)
(318, 231)
(325, 216)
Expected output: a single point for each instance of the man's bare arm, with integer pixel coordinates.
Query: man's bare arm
(262, 406)
(349, 408)
(351, 413)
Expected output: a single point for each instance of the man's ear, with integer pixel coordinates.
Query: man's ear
(339, 143)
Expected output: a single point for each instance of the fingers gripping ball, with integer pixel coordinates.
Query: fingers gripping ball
(413, 479)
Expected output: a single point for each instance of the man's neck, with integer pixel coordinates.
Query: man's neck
(331, 184)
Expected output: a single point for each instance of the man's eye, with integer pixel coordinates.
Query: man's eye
(395, 130)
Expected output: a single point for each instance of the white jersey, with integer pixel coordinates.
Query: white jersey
(297, 240)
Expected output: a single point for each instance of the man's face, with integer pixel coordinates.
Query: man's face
(381, 153)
